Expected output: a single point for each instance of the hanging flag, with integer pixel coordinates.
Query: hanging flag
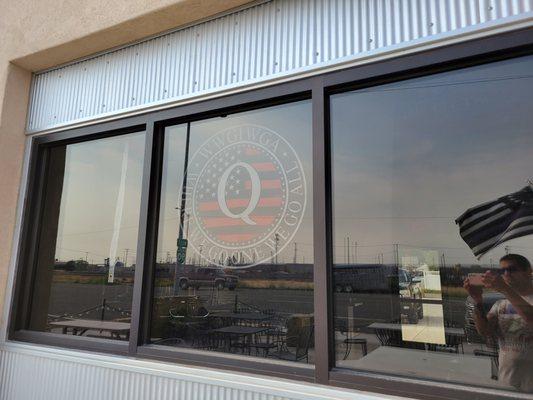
(490, 224)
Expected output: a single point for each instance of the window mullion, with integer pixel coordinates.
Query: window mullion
(323, 358)
(144, 244)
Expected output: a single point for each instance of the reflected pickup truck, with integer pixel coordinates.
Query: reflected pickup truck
(207, 277)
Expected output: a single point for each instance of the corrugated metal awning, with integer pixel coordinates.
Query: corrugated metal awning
(273, 41)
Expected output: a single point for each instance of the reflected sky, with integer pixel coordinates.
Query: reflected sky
(91, 195)
(410, 157)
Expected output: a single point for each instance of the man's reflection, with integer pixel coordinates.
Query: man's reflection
(510, 320)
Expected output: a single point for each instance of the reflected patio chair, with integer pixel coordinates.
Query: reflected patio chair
(270, 339)
(389, 337)
(351, 338)
(195, 327)
(301, 350)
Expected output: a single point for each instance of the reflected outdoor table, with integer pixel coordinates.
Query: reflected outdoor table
(398, 327)
(80, 326)
(233, 316)
(229, 332)
(391, 335)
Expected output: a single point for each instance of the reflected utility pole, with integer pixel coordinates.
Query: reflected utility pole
(396, 253)
(348, 247)
(345, 249)
(182, 209)
(126, 251)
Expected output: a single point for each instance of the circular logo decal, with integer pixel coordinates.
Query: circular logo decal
(246, 194)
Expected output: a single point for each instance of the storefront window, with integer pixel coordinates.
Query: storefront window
(234, 268)
(86, 253)
(409, 159)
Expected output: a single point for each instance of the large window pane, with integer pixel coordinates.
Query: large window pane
(410, 158)
(86, 253)
(235, 256)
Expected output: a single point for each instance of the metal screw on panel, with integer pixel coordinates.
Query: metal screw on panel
(491, 8)
(431, 24)
(233, 73)
(81, 110)
(103, 105)
(370, 40)
(276, 63)
(136, 54)
(317, 53)
(195, 82)
(197, 35)
(55, 116)
(278, 10)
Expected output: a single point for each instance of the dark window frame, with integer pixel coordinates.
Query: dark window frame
(318, 89)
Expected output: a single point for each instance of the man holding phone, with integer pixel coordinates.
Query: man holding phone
(510, 320)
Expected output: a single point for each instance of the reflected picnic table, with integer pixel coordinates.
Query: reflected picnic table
(398, 327)
(390, 334)
(80, 326)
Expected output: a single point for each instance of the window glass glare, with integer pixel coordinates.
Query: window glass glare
(235, 256)
(86, 253)
(430, 191)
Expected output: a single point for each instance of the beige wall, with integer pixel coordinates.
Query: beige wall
(38, 34)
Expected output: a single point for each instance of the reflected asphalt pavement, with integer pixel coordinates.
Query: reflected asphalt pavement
(76, 297)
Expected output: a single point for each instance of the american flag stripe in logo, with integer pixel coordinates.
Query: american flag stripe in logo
(238, 192)
(490, 224)
(237, 203)
(217, 222)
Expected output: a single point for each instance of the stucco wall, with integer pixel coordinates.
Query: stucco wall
(38, 34)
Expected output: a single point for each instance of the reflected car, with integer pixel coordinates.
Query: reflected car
(363, 278)
(207, 277)
(382, 280)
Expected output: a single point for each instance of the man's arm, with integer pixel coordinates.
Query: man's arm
(522, 307)
(485, 325)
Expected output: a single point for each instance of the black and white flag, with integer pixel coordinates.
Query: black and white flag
(490, 224)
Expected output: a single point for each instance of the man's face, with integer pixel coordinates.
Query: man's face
(513, 274)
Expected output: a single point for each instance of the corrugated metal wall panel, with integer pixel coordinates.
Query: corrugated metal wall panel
(264, 42)
(29, 373)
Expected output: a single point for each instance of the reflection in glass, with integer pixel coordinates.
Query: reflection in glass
(235, 257)
(408, 159)
(86, 253)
